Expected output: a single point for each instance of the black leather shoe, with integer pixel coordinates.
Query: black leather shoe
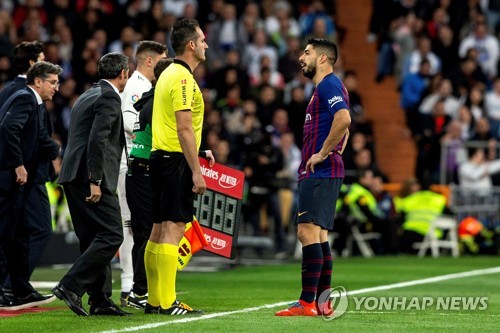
(107, 308)
(5, 301)
(30, 301)
(72, 300)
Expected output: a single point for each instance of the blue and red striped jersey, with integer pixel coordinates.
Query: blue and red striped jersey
(329, 97)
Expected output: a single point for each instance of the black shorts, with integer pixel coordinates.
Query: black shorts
(172, 184)
(317, 200)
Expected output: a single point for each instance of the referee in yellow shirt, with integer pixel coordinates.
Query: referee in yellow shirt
(175, 171)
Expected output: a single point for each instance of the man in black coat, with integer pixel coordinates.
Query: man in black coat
(37, 211)
(24, 55)
(89, 175)
(20, 142)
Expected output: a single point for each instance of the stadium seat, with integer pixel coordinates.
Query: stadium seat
(445, 223)
(362, 241)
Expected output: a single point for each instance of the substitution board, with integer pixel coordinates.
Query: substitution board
(219, 209)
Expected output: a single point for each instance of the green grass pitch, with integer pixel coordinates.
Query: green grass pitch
(226, 295)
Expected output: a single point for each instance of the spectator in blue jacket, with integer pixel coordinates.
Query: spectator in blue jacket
(412, 90)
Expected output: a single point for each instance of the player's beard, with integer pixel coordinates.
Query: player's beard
(309, 71)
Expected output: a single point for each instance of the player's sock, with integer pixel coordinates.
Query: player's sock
(325, 279)
(312, 262)
(150, 255)
(167, 271)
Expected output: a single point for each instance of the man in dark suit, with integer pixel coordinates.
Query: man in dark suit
(24, 55)
(37, 211)
(20, 142)
(89, 175)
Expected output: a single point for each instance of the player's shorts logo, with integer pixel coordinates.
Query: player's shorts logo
(332, 303)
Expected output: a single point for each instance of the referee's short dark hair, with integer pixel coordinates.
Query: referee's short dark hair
(183, 31)
(111, 65)
(42, 70)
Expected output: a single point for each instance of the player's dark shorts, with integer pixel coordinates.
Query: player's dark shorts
(317, 200)
(172, 184)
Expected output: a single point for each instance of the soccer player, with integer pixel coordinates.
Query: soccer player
(147, 56)
(176, 176)
(321, 173)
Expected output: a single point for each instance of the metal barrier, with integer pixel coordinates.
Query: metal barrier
(483, 205)
(454, 153)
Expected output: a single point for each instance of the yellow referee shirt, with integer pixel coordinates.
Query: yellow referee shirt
(176, 90)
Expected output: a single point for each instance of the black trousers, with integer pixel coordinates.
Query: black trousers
(140, 203)
(99, 230)
(14, 236)
(39, 223)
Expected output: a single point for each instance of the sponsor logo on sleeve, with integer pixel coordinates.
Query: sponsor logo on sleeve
(334, 100)
(184, 93)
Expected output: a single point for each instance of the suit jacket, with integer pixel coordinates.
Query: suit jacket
(48, 149)
(19, 136)
(10, 88)
(95, 138)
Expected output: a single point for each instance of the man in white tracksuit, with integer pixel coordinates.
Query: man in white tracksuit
(147, 55)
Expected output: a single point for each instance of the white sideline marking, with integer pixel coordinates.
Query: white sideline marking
(43, 284)
(438, 278)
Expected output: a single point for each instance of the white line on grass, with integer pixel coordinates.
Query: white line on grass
(439, 278)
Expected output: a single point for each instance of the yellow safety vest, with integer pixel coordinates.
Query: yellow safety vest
(358, 192)
(421, 208)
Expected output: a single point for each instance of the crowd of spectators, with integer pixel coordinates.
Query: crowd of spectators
(445, 57)
(254, 90)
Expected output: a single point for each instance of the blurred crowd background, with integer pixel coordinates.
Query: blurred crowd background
(443, 54)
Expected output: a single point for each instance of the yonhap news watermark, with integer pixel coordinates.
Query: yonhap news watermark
(334, 303)
(443, 303)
